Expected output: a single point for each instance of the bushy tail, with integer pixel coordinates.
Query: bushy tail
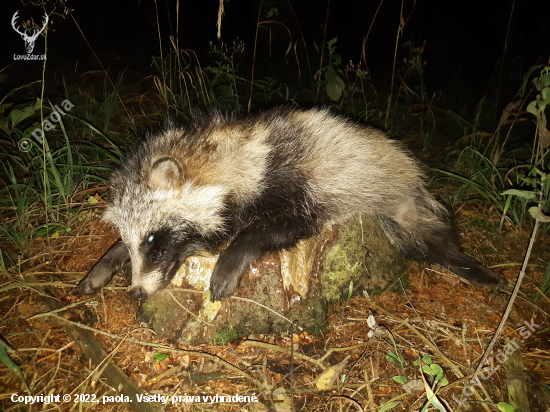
(421, 230)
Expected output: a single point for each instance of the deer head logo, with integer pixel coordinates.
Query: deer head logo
(29, 40)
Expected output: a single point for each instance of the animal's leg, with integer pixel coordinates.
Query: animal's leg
(103, 271)
(248, 247)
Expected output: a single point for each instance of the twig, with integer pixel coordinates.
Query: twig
(103, 364)
(30, 285)
(35, 268)
(254, 56)
(187, 310)
(344, 349)
(521, 275)
(72, 305)
(542, 294)
(244, 300)
(370, 395)
(453, 367)
(57, 351)
(283, 350)
(265, 307)
(323, 47)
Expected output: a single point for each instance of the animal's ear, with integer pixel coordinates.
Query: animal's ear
(165, 174)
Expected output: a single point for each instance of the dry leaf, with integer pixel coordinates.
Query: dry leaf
(382, 390)
(24, 308)
(415, 386)
(184, 361)
(329, 375)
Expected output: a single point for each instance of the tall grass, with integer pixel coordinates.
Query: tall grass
(40, 182)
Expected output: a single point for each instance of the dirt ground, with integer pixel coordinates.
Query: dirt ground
(341, 370)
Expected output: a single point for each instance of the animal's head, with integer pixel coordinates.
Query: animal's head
(163, 217)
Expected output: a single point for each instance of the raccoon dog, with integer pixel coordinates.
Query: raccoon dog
(263, 183)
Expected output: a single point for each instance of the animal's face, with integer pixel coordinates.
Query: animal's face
(162, 218)
(156, 257)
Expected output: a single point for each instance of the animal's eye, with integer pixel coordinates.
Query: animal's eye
(150, 240)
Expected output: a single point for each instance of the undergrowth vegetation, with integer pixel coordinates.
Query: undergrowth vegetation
(498, 160)
(56, 158)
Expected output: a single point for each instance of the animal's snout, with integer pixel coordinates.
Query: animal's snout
(138, 293)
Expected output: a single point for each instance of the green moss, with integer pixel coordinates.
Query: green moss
(363, 254)
(224, 336)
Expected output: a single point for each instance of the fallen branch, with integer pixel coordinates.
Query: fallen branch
(93, 350)
(163, 347)
(283, 350)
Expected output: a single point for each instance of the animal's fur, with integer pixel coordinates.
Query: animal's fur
(263, 183)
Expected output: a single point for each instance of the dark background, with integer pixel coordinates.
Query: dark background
(464, 40)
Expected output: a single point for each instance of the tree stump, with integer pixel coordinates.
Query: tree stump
(296, 285)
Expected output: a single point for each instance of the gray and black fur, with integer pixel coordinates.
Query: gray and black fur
(263, 183)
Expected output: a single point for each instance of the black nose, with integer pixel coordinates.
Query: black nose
(138, 293)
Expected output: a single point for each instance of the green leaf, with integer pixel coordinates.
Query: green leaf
(93, 200)
(391, 357)
(159, 357)
(532, 107)
(38, 104)
(18, 115)
(544, 79)
(537, 214)
(400, 379)
(427, 359)
(330, 75)
(334, 91)
(332, 41)
(432, 400)
(444, 382)
(526, 194)
(427, 369)
(505, 407)
(389, 406)
(436, 369)
(224, 91)
(12, 366)
(350, 290)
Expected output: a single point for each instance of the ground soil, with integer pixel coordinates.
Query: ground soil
(454, 318)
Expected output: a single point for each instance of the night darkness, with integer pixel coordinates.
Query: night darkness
(464, 41)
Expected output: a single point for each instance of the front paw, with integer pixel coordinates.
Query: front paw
(84, 287)
(222, 284)
(99, 276)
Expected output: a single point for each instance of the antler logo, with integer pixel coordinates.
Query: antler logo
(29, 40)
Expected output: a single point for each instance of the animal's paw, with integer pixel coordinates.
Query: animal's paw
(222, 284)
(99, 276)
(84, 287)
(102, 273)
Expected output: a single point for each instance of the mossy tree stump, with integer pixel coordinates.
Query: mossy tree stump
(296, 284)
